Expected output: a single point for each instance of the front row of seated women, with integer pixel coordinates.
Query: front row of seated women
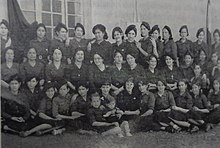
(27, 109)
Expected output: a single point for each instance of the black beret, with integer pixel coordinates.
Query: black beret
(131, 27)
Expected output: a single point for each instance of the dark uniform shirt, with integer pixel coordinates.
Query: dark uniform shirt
(173, 75)
(121, 48)
(170, 48)
(132, 47)
(27, 70)
(214, 98)
(187, 72)
(95, 115)
(61, 105)
(200, 101)
(137, 73)
(165, 101)
(7, 72)
(147, 102)
(198, 47)
(52, 73)
(75, 74)
(184, 101)
(104, 48)
(216, 49)
(147, 46)
(183, 48)
(46, 106)
(10, 108)
(118, 77)
(152, 77)
(128, 102)
(41, 48)
(80, 105)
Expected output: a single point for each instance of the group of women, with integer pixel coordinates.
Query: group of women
(178, 82)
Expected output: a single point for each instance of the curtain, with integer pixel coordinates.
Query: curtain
(20, 30)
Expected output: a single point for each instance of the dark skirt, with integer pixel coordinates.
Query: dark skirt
(213, 117)
(101, 129)
(162, 117)
(142, 124)
(196, 115)
(179, 116)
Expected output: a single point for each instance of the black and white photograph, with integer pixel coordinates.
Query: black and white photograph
(110, 73)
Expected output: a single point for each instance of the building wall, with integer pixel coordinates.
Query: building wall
(174, 13)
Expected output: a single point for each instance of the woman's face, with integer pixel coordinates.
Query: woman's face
(153, 63)
(160, 86)
(130, 60)
(183, 33)
(195, 89)
(63, 90)
(131, 35)
(79, 32)
(182, 86)
(118, 36)
(50, 93)
(9, 55)
(3, 30)
(165, 34)
(98, 60)
(62, 34)
(32, 83)
(197, 70)
(202, 56)
(155, 34)
(99, 35)
(79, 56)
(118, 58)
(201, 36)
(14, 85)
(169, 61)
(144, 31)
(32, 55)
(216, 37)
(57, 55)
(142, 88)
(41, 32)
(216, 85)
(188, 59)
(214, 58)
(82, 91)
(129, 86)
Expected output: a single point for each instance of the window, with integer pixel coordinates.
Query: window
(50, 12)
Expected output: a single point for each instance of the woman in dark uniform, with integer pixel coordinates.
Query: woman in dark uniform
(100, 45)
(119, 45)
(183, 45)
(187, 67)
(169, 45)
(200, 45)
(41, 43)
(216, 45)
(61, 41)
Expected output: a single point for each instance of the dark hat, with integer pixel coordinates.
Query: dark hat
(5, 23)
(169, 30)
(155, 27)
(80, 26)
(101, 54)
(146, 24)
(129, 28)
(41, 25)
(49, 85)
(59, 26)
(83, 83)
(169, 55)
(130, 79)
(30, 77)
(116, 29)
(101, 28)
(15, 77)
(199, 31)
(106, 82)
(163, 80)
(60, 83)
(143, 81)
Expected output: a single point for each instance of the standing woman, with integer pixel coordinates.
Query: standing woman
(79, 41)
(130, 43)
(200, 44)
(98, 72)
(100, 45)
(61, 41)
(169, 45)
(183, 45)
(32, 67)
(78, 70)
(147, 44)
(118, 73)
(41, 43)
(155, 36)
(216, 45)
(119, 45)
(55, 70)
(9, 68)
(4, 36)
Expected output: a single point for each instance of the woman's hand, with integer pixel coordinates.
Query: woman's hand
(18, 119)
